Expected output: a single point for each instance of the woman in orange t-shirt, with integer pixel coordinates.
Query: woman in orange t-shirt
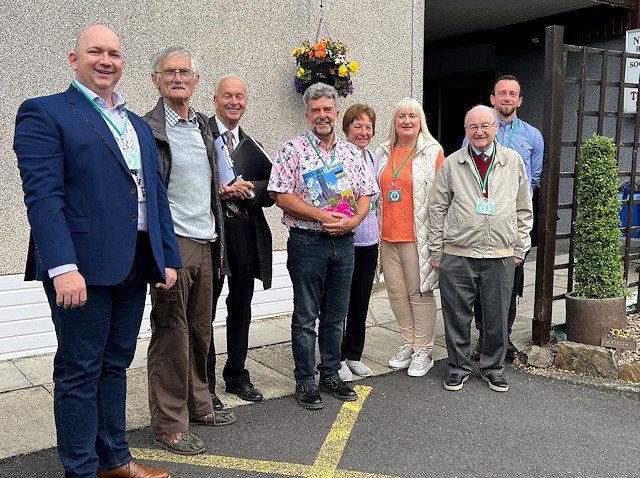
(407, 165)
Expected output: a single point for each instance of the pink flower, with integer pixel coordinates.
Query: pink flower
(342, 207)
(345, 209)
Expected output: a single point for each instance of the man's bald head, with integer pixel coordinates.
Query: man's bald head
(97, 60)
(92, 31)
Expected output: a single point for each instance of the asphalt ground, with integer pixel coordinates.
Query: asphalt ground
(408, 427)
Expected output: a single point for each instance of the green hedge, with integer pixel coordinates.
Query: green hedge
(598, 269)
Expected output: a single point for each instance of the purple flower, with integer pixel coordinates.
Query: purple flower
(300, 87)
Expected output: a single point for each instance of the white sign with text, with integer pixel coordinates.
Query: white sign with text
(632, 72)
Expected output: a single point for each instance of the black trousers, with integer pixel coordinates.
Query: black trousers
(364, 270)
(242, 253)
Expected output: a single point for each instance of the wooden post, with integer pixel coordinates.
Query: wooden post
(549, 184)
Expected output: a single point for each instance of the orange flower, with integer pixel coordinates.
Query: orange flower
(320, 50)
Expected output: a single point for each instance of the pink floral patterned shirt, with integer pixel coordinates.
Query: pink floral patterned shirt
(298, 157)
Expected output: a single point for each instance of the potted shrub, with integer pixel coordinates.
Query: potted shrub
(326, 62)
(597, 303)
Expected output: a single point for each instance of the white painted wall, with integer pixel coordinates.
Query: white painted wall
(25, 318)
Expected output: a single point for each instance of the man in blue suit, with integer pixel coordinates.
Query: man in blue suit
(101, 230)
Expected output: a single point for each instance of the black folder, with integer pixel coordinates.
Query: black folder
(251, 161)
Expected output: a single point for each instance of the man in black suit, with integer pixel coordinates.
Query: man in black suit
(248, 242)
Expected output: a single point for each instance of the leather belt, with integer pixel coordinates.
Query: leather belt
(319, 234)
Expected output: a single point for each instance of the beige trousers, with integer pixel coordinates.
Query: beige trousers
(415, 313)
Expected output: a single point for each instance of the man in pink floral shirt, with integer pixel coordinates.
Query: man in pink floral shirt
(315, 176)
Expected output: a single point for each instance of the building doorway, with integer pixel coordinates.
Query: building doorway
(446, 101)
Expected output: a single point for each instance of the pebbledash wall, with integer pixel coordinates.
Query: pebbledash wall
(250, 38)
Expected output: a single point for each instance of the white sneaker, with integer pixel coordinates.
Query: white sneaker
(357, 367)
(344, 373)
(421, 363)
(402, 358)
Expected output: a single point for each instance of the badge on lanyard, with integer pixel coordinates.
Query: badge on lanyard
(485, 206)
(394, 195)
(132, 158)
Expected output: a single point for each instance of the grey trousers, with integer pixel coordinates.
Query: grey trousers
(461, 280)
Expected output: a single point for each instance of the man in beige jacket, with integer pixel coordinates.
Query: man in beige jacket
(480, 215)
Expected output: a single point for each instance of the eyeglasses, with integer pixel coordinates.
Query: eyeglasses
(484, 127)
(170, 74)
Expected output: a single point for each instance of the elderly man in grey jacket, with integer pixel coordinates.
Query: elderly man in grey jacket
(480, 215)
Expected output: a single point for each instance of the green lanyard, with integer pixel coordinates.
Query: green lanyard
(483, 182)
(513, 130)
(315, 148)
(104, 115)
(396, 172)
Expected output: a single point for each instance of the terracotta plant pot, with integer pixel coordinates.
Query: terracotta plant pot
(588, 320)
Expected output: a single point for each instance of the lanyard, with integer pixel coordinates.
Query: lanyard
(483, 182)
(516, 123)
(315, 148)
(396, 172)
(104, 115)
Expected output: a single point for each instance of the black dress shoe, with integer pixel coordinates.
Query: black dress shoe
(455, 381)
(477, 350)
(246, 392)
(308, 397)
(339, 390)
(496, 382)
(512, 351)
(217, 403)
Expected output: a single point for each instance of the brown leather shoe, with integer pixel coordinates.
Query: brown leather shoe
(181, 443)
(217, 418)
(134, 470)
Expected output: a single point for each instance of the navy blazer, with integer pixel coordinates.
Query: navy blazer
(81, 199)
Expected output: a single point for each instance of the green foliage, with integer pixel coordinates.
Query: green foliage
(598, 269)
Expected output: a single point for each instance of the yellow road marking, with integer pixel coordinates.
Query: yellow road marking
(329, 456)
(224, 462)
(325, 465)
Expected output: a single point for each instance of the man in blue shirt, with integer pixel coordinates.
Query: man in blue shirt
(520, 136)
(514, 133)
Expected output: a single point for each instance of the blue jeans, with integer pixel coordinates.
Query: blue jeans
(96, 344)
(320, 267)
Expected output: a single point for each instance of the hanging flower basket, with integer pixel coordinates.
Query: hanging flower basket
(324, 72)
(326, 62)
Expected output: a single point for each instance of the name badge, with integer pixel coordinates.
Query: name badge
(485, 206)
(132, 158)
(394, 195)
